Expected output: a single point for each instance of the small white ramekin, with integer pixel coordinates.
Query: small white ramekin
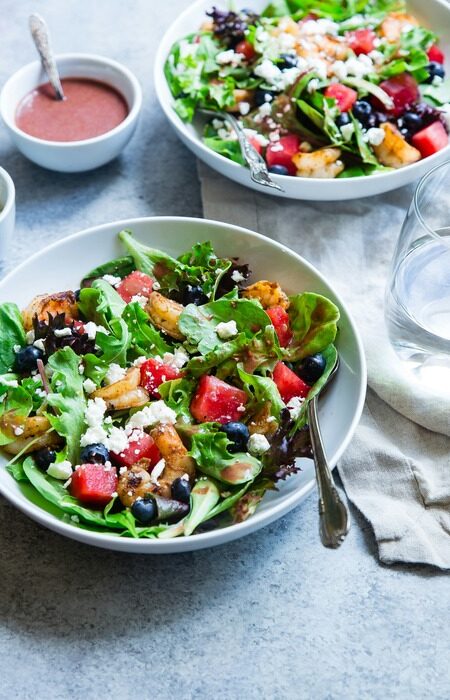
(7, 211)
(72, 156)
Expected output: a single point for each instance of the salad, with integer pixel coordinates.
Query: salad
(164, 396)
(323, 88)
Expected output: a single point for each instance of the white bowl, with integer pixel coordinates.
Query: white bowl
(7, 211)
(433, 13)
(62, 265)
(73, 156)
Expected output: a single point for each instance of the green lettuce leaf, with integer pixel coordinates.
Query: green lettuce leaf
(177, 394)
(119, 267)
(145, 339)
(209, 449)
(261, 390)
(101, 303)
(313, 320)
(11, 333)
(17, 406)
(114, 347)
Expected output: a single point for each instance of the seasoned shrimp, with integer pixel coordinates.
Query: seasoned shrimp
(44, 304)
(268, 293)
(396, 22)
(126, 393)
(30, 434)
(323, 163)
(165, 313)
(394, 151)
(133, 484)
(263, 422)
(176, 457)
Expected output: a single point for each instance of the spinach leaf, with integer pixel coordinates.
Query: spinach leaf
(145, 339)
(101, 303)
(209, 449)
(11, 333)
(67, 398)
(17, 471)
(198, 323)
(229, 349)
(313, 320)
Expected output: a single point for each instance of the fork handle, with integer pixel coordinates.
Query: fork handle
(333, 513)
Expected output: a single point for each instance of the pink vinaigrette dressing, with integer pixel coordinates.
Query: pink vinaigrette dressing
(90, 108)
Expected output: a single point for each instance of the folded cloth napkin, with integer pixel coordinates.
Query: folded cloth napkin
(397, 468)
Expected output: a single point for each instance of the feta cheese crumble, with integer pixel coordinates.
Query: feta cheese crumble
(156, 412)
(89, 386)
(176, 359)
(115, 373)
(39, 344)
(294, 406)
(228, 330)
(229, 57)
(139, 299)
(92, 329)
(237, 277)
(257, 444)
(375, 136)
(347, 131)
(62, 332)
(157, 470)
(60, 470)
(112, 279)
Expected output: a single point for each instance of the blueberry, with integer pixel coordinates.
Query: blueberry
(262, 96)
(238, 434)
(435, 70)
(311, 368)
(181, 490)
(44, 457)
(193, 294)
(362, 111)
(412, 121)
(343, 119)
(278, 170)
(287, 61)
(26, 359)
(145, 510)
(94, 454)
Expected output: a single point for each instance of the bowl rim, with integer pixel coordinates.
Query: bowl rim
(180, 126)
(11, 194)
(132, 115)
(214, 537)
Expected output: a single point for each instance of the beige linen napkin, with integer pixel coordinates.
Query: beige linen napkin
(396, 471)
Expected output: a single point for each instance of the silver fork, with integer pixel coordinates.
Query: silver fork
(256, 163)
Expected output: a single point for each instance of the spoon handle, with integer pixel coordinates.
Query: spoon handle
(333, 513)
(41, 38)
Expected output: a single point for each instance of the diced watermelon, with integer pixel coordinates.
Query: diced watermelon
(246, 49)
(94, 484)
(140, 446)
(288, 383)
(403, 91)
(154, 372)
(282, 151)
(434, 53)
(361, 40)
(280, 321)
(217, 401)
(135, 283)
(431, 139)
(344, 96)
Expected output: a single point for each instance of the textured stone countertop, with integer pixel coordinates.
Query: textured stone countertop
(273, 615)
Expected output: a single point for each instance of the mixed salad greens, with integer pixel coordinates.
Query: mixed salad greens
(165, 396)
(324, 88)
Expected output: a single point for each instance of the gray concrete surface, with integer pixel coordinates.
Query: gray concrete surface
(272, 616)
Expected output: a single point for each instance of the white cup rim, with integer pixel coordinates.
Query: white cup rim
(11, 194)
(135, 107)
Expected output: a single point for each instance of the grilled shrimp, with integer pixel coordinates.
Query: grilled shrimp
(263, 422)
(165, 313)
(133, 484)
(323, 163)
(31, 434)
(126, 393)
(175, 454)
(394, 151)
(268, 293)
(393, 25)
(44, 304)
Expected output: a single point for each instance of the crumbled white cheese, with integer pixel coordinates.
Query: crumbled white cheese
(262, 140)
(312, 85)
(437, 80)
(339, 69)
(30, 337)
(228, 330)
(115, 373)
(139, 299)
(18, 431)
(60, 470)
(244, 108)
(377, 57)
(92, 329)
(157, 470)
(360, 66)
(140, 361)
(112, 279)
(39, 344)
(17, 348)
(294, 406)
(176, 359)
(319, 26)
(117, 440)
(268, 71)
(81, 368)
(156, 412)
(93, 415)
(62, 332)
(229, 57)
(89, 386)
(347, 131)
(237, 276)
(375, 136)
(258, 444)
(156, 285)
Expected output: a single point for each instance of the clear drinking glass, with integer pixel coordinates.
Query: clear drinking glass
(418, 294)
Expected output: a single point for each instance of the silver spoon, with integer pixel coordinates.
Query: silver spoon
(41, 38)
(255, 162)
(333, 513)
